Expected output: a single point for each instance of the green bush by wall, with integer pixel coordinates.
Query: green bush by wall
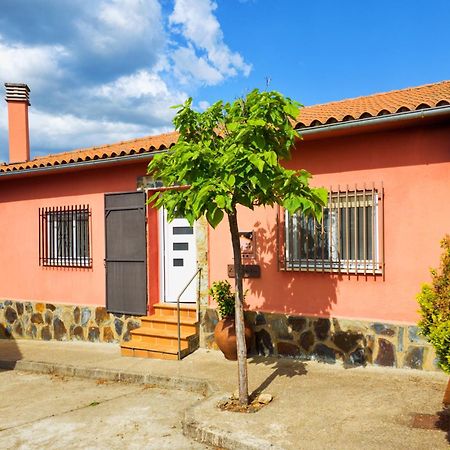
(434, 301)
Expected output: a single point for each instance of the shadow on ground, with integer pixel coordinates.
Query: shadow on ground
(9, 350)
(280, 368)
(443, 422)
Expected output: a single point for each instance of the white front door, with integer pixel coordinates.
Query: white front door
(178, 259)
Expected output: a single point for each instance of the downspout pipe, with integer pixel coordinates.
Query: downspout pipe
(373, 122)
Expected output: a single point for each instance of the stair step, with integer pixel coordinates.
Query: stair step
(155, 332)
(153, 354)
(169, 319)
(145, 350)
(170, 309)
(169, 323)
(174, 305)
(156, 341)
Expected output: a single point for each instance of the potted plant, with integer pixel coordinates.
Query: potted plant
(225, 332)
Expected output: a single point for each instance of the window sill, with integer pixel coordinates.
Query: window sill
(71, 264)
(331, 268)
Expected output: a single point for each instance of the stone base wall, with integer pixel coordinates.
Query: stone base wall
(351, 342)
(29, 320)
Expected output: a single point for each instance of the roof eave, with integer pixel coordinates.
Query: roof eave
(79, 165)
(374, 123)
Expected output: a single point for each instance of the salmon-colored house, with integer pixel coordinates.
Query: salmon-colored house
(83, 257)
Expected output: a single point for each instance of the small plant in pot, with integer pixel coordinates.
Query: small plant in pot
(225, 332)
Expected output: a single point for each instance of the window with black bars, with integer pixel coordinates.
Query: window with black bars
(64, 236)
(348, 238)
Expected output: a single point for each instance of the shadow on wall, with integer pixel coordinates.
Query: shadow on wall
(301, 326)
(312, 293)
(9, 350)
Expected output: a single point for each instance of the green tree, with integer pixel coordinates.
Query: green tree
(229, 155)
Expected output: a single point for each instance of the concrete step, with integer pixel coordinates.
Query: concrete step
(170, 309)
(169, 323)
(144, 350)
(158, 336)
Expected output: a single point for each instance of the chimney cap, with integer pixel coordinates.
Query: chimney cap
(17, 92)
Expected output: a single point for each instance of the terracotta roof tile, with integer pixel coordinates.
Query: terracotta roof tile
(125, 148)
(410, 99)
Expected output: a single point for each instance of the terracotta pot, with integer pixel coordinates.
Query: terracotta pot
(446, 400)
(225, 337)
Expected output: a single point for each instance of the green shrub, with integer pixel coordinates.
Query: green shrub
(222, 294)
(434, 301)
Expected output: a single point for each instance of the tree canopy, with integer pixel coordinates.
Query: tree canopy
(229, 155)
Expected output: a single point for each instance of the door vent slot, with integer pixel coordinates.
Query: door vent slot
(183, 230)
(181, 246)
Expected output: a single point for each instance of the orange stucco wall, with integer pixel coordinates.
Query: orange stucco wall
(21, 276)
(414, 166)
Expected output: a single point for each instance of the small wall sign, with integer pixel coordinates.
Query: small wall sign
(250, 271)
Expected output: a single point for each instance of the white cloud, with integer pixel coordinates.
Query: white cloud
(3, 119)
(140, 84)
(34, 65)
(109, 70)
(119, 24)
(190, 68)
(144, 95)
(48, 130)
(203, 105)
(196, 22)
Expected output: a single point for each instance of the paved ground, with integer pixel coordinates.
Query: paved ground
(51, 412)
(315, 406)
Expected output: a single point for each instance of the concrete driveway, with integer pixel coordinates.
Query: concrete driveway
(51, 412)
(315, 406)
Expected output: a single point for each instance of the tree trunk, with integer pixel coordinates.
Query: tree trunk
(239, 314)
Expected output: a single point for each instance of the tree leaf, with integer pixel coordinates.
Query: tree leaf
(214, 216)
(257, 162)
(292, 204)
(291, 109)
(271, 158)
(231, 179)
(221, 201)
(233, 126)
(256, 122)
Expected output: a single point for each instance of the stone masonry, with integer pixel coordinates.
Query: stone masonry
(330, 340)
(30, 320)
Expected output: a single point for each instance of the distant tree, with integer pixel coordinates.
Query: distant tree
(229, 155)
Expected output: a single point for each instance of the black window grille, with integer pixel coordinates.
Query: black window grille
(348, 239)
(64, 236)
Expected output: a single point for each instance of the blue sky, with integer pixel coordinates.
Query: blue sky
(109, 70)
